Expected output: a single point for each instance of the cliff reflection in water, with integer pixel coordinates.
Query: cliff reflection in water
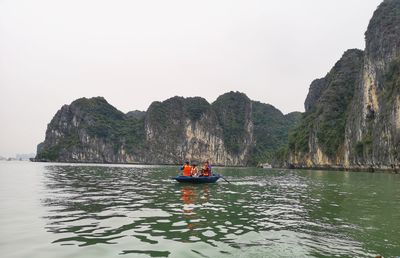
(140, 210)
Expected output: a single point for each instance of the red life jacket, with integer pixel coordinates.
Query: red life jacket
(206, 171)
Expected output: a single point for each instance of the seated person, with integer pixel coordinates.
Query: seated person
(206, 170)
(186, 169)
(195, 171)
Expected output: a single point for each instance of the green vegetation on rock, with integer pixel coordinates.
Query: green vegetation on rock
(232, 110)
(271, 129)
(391, 87)
(196, 107)
(383, 32)
(93, 130)
(300, 135)
(326, 117)
(99, 120)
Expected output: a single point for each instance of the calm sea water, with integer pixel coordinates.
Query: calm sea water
(65, 210)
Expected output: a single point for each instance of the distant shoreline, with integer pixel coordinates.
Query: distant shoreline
(369, 169)
(125, 163)
(325, 168)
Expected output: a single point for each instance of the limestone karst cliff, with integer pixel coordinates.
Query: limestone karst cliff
(352, 117)
(352, 120)
(233, 130)
(91, 130)
(319, 139)
(373, 126)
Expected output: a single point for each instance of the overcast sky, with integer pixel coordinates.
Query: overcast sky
(135, 52)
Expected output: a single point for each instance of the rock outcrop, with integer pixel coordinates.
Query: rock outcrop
(91, 130)
(352, 117)
(319, 139)
(317, 88)
(233, 130)
(372, 130)
(185, 129)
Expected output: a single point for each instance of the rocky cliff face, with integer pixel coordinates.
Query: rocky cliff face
(352, 115)
(319, 139)
(231, 131)
(181, 129)
(372, 130)
(91, 130)
(317, 88)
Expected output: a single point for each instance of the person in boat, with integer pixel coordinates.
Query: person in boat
(195, 170)
(186, 169)
(206, 170)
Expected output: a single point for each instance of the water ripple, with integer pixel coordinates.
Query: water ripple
(280, 214)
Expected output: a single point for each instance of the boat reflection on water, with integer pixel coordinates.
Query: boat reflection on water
(195, 194)
(193, 198)
(188, 195)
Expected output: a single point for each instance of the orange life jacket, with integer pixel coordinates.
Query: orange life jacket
(188, 195)
(187, 170)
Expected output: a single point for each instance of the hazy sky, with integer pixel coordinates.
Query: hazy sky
(134, 52)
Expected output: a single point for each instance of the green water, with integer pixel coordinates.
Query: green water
(61, 210)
